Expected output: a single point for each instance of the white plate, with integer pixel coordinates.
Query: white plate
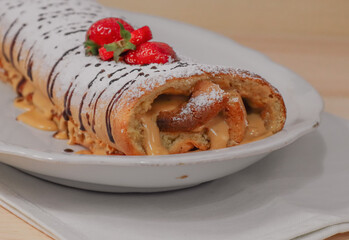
(36, 152)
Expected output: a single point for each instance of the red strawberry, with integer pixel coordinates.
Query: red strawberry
(104, 54)
(129, 40)
(141, 35)
(150, 52)
(107, 30)
(104, 31)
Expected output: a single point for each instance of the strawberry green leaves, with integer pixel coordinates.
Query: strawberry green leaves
(91, 47)
(126, 35)
(120, 46)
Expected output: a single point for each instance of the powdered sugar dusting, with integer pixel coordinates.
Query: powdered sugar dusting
(200, 103)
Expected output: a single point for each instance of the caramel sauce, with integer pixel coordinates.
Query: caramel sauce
(41, 102)
(218, 132)
(36, 119)
(256, 129)
(61, 135)
(28, 88)
(86, 152)
(152, 140)
(23, 104)
(38, 112)
(153, 144)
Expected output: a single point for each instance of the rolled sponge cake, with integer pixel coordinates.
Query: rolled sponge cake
(43, 42)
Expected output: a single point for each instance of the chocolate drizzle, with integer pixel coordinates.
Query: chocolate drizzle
(93, 96)
(110, 108)
(68, 150)
(88, 119)
(94, 79)
(49, 88)
(111, 74)
(94, 110)
(140, 74)
(181, 64)
(80, 13)
(54, 80)
(14, 40)
(68, 110)
(82, 128)
(136, 69)
(20, 51)
(30, 68)
(65, 115)
(4, 39)
(117, 79)
(81, 30)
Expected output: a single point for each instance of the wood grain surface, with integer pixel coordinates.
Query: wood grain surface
(309, 37)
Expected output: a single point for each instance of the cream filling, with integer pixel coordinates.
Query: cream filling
(256, 129)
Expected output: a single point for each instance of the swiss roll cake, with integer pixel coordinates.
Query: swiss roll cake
(88, 75)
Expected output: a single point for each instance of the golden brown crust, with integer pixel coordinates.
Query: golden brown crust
(235, 116)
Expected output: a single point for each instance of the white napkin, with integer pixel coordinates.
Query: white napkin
(300, 191)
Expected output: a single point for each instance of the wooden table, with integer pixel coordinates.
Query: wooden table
(309, 37)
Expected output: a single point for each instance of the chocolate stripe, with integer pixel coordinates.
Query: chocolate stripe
(93, 96)
(4, 39)
(14, 40)
(111, 74)
(49, 88)
(117, 79)
(20, 51)
(94, 79)
(53, 81)
(94, 110)
(68, 111)
(77, 31)
(30, 68)
(66, 117)
(82, 128)
(110, 107)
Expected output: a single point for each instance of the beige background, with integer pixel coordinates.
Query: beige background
(310, 37)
